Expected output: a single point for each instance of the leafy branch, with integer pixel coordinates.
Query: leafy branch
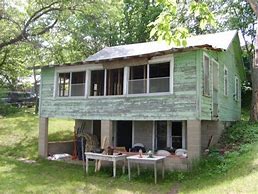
(33, 20)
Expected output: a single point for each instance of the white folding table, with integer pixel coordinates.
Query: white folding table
(112, 158)
(146, 160)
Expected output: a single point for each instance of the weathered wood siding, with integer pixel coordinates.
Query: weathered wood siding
(181, 105)
(228, 108)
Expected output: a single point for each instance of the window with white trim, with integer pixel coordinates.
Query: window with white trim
(97, 83)
(159, 77)
(225, 81)
(151, 78)
(78, 83)
(170, 134)
(71, 84)
(206, 76)
(236, 95)
(137, 83)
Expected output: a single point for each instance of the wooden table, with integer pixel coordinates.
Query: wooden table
(146, 160)
(112, 158)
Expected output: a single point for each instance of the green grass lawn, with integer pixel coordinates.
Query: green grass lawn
(236, 172)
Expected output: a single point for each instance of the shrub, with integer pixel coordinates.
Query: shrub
(239, 134)
(7, 109)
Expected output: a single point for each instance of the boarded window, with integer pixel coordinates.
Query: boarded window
(236, 89)
(225, 82)
(137, 83)
(78, 83)
(63, 84)
(206, 76)
(159, 77)
(97, 83)
(114, 80)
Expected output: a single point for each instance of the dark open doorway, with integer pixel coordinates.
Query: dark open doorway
(97, 130)
(124, 134)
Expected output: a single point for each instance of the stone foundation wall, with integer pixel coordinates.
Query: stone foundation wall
(211, 128)
(60, 147)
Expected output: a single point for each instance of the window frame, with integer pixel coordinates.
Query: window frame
(237, 89)
(169, 134)
(56, 85)
(209, 76)
(225, 84)
(92, 67)
(155, 60)
(104, 85)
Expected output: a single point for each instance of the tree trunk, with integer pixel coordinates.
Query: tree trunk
(254, 72)
(254, 76)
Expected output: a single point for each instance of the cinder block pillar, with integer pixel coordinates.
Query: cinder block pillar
(106, 131)
(194, 139)
(43, 137)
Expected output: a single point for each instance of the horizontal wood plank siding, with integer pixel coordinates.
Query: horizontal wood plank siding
(228, 108)
(181, 105)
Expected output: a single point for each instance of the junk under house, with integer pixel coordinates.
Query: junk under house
(148, 95)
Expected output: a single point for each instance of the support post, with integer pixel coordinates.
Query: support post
(194, 139)
(43, 137)
(106, 131)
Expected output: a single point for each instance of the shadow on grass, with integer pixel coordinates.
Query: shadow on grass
(50, 176)
(27, 146)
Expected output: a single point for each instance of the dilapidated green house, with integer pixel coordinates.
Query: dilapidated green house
(150, 93)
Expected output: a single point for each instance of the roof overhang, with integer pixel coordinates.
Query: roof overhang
(148, 55)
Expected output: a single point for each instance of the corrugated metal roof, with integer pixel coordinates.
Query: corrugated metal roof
(220, 40)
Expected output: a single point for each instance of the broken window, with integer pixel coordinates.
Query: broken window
(63, 84)
(97, 83)
(114, 81)
(78, 84)
(206, 76)
(137, 83)
(159, 77)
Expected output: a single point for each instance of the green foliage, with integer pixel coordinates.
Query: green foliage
(7, 109)
(241, 133)
(171, 26)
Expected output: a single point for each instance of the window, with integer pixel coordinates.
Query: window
(97, 83)
(225, 81)
(236, 95)
(152, 78)
(177, 135)
(63, 84)
(74, 81)
(78, 84)
(137, 83)
(171, 134)
(115, 79)
(161, 134)
(206, 76)
(159, 77)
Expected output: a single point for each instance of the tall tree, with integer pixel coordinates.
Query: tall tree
(254, 71)
(54, 32)
(136, 17)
